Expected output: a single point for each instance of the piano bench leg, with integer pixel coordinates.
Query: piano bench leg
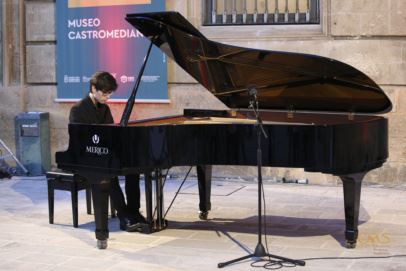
(50, 200)
(65, 181)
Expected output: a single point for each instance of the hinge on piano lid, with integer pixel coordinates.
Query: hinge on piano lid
(291, 112)
(351, 115)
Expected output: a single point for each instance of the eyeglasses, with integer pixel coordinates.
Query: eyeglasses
(105, 94)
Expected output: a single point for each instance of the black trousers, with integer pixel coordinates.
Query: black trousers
(132, 192)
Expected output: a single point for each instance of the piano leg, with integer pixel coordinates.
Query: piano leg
(148, 196)
(100, 193)
(352, 195)
(160, 221)
(204, 183)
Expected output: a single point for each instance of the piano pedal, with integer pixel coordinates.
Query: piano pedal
(153, 227)
(203, 215)
(140, 227)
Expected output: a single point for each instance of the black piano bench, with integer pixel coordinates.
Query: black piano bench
(67, 181)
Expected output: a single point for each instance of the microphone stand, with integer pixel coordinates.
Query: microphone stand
(260, 251)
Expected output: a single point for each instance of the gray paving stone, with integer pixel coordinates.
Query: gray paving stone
(303, 222)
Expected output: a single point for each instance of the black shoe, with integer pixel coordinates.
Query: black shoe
(129, 224)
(138, 218)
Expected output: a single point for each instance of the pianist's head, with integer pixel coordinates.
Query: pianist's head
(102, 85)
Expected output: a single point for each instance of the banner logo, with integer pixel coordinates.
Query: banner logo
(102, 3)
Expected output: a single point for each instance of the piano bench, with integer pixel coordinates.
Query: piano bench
(67, 181)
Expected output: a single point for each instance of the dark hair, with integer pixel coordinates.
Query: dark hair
(103, 81)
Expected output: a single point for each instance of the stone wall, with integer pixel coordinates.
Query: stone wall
(12, 90)
(367, 34)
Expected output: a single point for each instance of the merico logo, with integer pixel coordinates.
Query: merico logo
(96, 139)
(95, 149)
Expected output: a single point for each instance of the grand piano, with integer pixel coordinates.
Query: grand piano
(319, 114)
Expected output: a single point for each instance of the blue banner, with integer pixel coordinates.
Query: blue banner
(93, 35)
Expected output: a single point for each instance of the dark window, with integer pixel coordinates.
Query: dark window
(269, 12)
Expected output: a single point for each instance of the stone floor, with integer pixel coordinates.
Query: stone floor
(302, 222)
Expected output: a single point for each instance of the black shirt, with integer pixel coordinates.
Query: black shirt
(85, 111)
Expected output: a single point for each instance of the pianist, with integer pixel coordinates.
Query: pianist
(93, 109)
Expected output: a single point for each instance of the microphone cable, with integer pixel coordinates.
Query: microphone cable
(270, 264)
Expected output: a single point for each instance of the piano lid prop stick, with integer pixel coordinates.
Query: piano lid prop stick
(130, 102)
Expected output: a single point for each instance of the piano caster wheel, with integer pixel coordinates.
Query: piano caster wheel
(350, 244)
(203, 215)
(102, 244)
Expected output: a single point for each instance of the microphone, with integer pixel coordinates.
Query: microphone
(252, 91)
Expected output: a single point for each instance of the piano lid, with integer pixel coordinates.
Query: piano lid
(284, 81)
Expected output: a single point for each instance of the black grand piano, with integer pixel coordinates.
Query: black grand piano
(318, 114)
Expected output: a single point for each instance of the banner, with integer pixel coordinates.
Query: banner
(93, 35)
(99, 3)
